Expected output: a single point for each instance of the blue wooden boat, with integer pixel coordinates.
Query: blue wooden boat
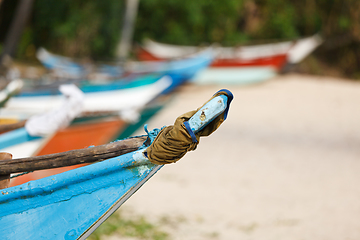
(62, 66)
(27, 137)
(180, 70)
(69, 68)
(90, 87)
(187, 66)
(97, 98)
(71, 205)
(22, 143)
(15, 137)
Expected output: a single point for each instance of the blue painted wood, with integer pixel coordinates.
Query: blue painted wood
(208, 112)
(72, 204)
(14, 137)
(65, 205)
(212, 109)
(60, 63)
(88, 87)
(179, 70)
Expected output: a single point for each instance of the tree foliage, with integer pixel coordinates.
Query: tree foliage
(93, 28)
(77, 28)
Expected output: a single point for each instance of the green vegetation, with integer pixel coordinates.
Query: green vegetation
(78, 28)
(138, 228)
(91, 29)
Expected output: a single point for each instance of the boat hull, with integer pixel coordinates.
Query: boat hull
(113, 100)
(74, 137)
(275, 60)
(70, 203)
(232, 75)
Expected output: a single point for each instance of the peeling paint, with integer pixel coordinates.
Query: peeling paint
(202, 116)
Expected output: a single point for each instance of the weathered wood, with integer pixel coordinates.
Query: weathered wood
(73, 157)
(5, 178)
(12, 126)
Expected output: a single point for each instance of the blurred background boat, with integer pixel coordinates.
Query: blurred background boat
(182, 68)
(110, 98)
(97, 126)
(112, 110)
(237, 65)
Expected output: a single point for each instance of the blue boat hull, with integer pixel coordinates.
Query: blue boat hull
(72, 204)
(67, 205)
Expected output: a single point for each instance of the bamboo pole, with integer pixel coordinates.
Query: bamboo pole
(73, 157)
(4, 178)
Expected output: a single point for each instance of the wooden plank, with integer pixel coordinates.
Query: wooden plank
(5, 178)
(73, 157)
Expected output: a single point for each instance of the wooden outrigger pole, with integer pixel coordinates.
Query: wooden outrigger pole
(4, 178)
(73, 157)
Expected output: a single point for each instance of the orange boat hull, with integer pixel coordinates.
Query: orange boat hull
(74, 137)
(276, 61)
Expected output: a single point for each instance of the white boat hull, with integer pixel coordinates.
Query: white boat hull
(234, 75)
(115, 100)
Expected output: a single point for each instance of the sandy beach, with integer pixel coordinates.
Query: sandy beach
(284, 165)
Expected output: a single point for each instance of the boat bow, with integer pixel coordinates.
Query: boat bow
(71, 205)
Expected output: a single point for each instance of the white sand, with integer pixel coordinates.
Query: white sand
(284, 165)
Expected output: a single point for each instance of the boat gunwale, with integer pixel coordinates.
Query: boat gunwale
(49, 185)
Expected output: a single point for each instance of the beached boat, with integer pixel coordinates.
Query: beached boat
(63, 140)
(91, 129)
(76, 136)
(226, 56)
(295, 51)
(240, 65)
(108, 98)
(71, 205)
(27, 135)
(87, 86)
(19, 142)
(68, 68)
(121, 111)
(185, 65)
(180, 69)
(80, 134)
(183, 69)
(83, 132)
